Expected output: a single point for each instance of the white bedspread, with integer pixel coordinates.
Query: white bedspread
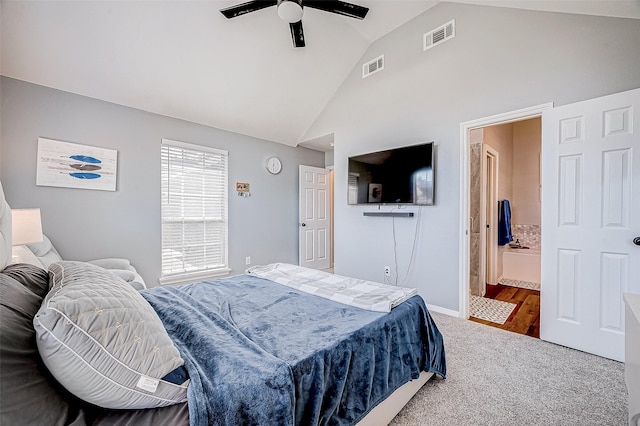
(363, 294)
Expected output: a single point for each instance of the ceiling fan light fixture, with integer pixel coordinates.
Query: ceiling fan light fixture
(290, 10)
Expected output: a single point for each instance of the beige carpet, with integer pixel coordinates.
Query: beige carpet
(496, 378)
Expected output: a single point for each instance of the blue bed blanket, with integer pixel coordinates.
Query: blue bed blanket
(261, 353)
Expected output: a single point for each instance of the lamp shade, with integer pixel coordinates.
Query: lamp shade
(26, 226)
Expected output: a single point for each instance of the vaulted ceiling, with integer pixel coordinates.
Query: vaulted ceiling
(184, 59)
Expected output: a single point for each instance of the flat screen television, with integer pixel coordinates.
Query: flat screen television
(396, 176)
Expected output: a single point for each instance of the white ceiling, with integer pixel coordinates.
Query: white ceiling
(185, 60)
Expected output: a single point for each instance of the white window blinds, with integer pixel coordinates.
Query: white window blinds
(352, 188)
(194, 211)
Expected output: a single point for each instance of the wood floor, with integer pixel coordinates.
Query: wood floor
(525, 318)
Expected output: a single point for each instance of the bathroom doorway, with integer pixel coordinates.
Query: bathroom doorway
(505, 200)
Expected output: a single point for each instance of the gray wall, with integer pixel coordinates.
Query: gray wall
(501, 60)
(85, 224)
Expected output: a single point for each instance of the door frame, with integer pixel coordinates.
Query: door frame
(489, 217)
(465, 185)
(332, 184)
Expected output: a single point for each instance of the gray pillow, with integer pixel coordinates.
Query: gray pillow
(45, 251)
(102, 340)
(28, 395)
(5, 231)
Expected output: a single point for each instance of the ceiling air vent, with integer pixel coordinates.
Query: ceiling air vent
(373, 66)
(440, 34)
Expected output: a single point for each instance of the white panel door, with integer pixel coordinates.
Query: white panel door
(590, 218)
(315, 218)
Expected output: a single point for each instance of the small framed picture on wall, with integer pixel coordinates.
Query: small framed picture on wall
(375, 193)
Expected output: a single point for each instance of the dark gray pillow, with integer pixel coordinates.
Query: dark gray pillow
(28, 394)
(174, 415)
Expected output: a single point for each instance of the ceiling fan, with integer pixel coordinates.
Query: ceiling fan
(292, 11)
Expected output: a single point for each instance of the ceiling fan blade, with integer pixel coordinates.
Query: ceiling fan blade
(339, 7)
(250, 6)
(297, 34)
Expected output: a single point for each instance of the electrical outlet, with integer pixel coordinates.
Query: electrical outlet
(247, 260)
(387, 270)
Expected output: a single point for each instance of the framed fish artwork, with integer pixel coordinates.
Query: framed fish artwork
(71, 165)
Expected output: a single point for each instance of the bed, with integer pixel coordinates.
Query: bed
(237, 350)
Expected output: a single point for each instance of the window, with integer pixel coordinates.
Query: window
(352, 188)
(194, 212)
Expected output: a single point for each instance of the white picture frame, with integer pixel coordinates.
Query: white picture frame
(71, 165)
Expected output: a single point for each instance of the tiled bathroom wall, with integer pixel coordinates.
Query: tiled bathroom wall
(474, 207)
(528, 235)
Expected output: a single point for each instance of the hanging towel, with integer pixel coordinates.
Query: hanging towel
(504, 223)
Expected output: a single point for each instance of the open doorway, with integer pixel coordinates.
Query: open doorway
(316, 208)
(505, 238)
(501, 173)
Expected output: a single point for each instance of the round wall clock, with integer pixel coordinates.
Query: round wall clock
(274, 165)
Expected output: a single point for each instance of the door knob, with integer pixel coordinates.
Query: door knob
(636, 241)
(304, 224)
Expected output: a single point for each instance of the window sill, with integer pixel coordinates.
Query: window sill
(193, 277)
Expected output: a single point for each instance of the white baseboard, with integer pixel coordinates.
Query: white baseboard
(445, 311)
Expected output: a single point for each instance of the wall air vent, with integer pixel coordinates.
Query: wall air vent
(373, 66)
(439, 35)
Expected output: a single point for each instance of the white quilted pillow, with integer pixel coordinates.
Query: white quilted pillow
(103, 342)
